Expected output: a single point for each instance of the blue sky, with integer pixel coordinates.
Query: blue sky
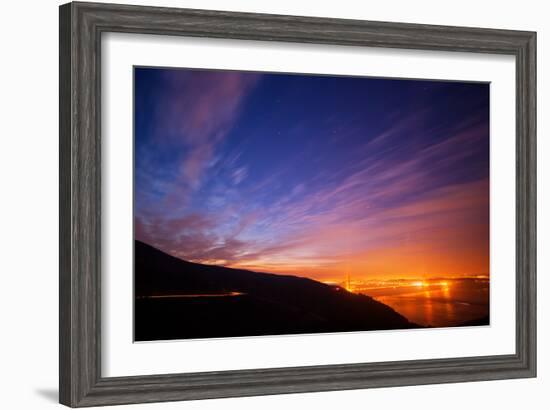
(313, 175)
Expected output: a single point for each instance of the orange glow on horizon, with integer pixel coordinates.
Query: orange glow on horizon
(445, 236)
(379, 264)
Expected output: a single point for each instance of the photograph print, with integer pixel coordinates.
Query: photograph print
(278, 204)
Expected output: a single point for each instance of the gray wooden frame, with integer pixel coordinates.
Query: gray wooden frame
(81, 27)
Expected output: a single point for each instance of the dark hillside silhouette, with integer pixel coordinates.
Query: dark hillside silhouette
(176, 299)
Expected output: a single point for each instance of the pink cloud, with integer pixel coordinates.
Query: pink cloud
(199, 112)
(384, 203)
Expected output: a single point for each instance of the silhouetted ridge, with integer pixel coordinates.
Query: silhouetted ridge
(176, 299)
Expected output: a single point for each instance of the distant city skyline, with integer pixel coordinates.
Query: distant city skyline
(326, 177)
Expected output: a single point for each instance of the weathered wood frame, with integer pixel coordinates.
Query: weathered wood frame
(81, 26)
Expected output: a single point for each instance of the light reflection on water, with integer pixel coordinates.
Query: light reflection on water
(437, 303)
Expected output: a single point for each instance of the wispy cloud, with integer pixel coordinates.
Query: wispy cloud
(191, 118)
(366, 213)
(411, 197)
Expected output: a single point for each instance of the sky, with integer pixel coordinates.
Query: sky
(316, 176)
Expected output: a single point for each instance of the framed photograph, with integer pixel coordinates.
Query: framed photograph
(262, 204)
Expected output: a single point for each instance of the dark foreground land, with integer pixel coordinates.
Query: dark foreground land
(175, 299)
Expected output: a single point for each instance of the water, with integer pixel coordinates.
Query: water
(437, 303)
